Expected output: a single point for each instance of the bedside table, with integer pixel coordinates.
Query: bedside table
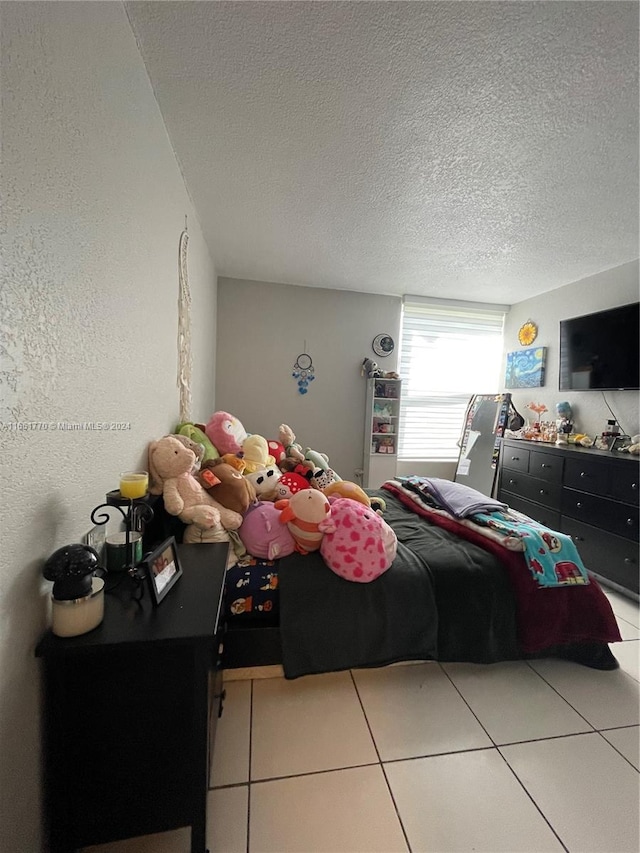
(130, 711)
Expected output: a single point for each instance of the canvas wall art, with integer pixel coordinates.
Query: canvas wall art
(525, 368)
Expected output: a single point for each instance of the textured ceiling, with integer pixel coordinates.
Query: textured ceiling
(473, 150)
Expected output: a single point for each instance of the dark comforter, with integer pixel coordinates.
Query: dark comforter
(444, 598)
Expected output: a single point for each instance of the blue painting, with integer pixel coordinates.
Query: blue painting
(525, 368)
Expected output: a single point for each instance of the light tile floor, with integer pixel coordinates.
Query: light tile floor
(533, 757)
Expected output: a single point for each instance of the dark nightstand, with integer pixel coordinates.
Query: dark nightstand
(130, 710)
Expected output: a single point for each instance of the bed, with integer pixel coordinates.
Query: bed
(450, 595)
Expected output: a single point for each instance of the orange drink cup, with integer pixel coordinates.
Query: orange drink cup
(134, 484)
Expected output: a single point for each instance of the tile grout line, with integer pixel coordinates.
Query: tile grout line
(595, 729)
(419, 757)
(608, 742)
(564, 699)
(455, 687)
(380, 762)
(544, 817)
(530, 796)
(249, 769)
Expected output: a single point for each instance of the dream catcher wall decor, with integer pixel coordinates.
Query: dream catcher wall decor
(303, 371)
(185, 361)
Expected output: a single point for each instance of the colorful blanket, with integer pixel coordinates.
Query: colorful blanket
(552, 558)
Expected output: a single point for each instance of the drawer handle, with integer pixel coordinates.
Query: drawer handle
(634, 487)
(512, 482)
(583, 474)
(628, 560)
(629, 522)
(544, 465)
(543, 492)
(578, 505)
(515, 458)
(578, 538)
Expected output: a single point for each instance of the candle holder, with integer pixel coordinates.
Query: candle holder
(134, 511)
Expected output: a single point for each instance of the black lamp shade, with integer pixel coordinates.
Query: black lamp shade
(71, 569)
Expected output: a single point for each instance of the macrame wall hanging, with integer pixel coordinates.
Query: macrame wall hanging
(185, 360)
(303, 371)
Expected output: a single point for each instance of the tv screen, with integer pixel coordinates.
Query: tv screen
(599, 352)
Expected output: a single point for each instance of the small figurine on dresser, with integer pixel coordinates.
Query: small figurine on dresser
(564, 422)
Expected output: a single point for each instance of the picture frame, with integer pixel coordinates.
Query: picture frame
(163, 569)
(619, 441)
(526, 368)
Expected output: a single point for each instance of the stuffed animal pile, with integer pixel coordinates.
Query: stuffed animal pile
(268, 497)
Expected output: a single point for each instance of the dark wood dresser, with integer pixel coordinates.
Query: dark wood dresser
(591, 495)
(130, 711)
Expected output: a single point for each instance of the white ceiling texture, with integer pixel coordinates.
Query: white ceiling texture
(470, 150)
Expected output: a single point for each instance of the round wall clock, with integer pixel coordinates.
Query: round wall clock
(527, 333)
(383, 345)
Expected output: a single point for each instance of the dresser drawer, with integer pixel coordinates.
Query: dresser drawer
(609, 556)
(625, 483)
(548, 494)
(587, 475)
(543, 515)
(614, 517)
(516, 458)
(546, 466)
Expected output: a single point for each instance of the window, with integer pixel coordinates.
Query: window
(448, 352)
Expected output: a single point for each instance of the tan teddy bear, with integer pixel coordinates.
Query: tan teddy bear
(170, 464)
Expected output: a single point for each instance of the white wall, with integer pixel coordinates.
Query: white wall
(263, 327)
(94, 204)
(617, 286)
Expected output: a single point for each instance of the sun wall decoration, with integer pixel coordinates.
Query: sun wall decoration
(527, 333)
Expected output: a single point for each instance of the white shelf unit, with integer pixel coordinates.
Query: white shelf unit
(381, 431)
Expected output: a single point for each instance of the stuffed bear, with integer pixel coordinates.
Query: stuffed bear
(170, 463)
(225, 432)
(287, 438)
(155, 486)
(226, 485)
(370, 369)
(357, 544)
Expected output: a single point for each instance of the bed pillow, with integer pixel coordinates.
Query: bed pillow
(358, 544)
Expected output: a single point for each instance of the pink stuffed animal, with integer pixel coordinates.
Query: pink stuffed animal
(225, 432)
(262, 534)
(358, 544)
(303, 514)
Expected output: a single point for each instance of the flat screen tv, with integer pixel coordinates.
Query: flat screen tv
(599, 352)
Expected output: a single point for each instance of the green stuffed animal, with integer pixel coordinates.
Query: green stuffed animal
(320, 460)
(196, 433)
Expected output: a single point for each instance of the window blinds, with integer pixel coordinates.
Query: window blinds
(448, 352)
